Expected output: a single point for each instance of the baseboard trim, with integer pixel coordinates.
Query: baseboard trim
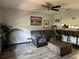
(20, 43)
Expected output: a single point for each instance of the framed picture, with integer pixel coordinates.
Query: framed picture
(35, 21)
(46, 23)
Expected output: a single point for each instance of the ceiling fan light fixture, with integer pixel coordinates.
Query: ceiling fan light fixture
(49, 6)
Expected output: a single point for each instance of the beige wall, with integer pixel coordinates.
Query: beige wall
(21, 19)
(0, 15)
(66, 18)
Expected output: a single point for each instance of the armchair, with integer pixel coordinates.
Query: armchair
(38, 38)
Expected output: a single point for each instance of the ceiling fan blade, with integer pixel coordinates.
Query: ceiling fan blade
(44, 6)
(55, 9)
(58, 6)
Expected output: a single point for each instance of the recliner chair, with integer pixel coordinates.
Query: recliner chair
(38, 38)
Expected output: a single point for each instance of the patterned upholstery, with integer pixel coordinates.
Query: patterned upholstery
(38, 38)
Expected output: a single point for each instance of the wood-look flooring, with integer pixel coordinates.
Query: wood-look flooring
(29, 51)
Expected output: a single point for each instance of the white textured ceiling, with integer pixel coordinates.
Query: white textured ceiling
(29, 5)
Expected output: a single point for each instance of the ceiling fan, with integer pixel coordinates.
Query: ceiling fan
(49, 6)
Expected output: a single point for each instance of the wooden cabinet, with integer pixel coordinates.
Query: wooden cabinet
(70, 36)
